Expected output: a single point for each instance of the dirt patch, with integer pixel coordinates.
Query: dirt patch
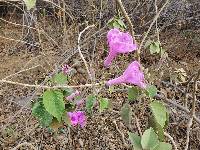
(56, 48)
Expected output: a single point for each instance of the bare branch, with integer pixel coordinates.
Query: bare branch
(49, 87)
(171, 139)
(119, 2)
(151, 25)
(81, 55)
(192, 112)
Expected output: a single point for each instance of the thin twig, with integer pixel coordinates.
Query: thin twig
(192, 112)
(187, 83)
(49, 87)
(171, 139)
(79, 50)
(178, 106)
(24, 144)
(157, 30)
(177, 88)
(24, 70)
(138, 125)
(18, 41)
(119, 2)
(122, 135)
(151, 25)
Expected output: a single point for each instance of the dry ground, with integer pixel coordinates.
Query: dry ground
(36, 63)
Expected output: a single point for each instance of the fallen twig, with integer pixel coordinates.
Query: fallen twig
(24, 144)
(186, 89)
(192, 112)
(81, 55)
(122, 135)
(171, 139)
(49, 87)
(119, 2)
(151, 25)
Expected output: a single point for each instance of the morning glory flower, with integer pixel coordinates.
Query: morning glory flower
(132, 75)
(77, 118)
(119, 42)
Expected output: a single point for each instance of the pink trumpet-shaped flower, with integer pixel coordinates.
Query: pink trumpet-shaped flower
(132, 75)
(118, 42)
(77, 117)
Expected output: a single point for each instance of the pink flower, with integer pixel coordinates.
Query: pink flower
(77, 117)
(66, 69)
(132, 75)
(73, 118)
(119, 42)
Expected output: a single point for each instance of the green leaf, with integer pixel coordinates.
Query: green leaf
(163, 146)
(126, 114)
(151, 90)
(30, 4)
(104, 103)
(116, 22)
(116, 25)
(110, 22)
(40, 112)
(155, 48)
(157, 128)
(167, 120)
(53, 103)
(159, 111)
(149, 139)
(148, 43)
(135, 141)
(90, 103)
(121, 23)
(67, 91)
(60, 78)
(133, 93)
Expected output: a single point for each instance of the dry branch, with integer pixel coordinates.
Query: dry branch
(119, 2)
(192, 112)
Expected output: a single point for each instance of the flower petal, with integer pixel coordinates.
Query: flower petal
(118, 42)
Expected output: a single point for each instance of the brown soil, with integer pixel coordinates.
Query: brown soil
(18, 125)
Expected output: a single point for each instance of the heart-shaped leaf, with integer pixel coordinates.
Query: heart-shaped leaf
(133, 93)
(135, 141)
(60, 78)
(90, 103)
(126, 114)
(157, 128)
(149, 139)
(155, 48)
(163, 146)
(30, 4)
(159, 111)
(53, 103)
(104, 103)
(151, 90)
(40, 112)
